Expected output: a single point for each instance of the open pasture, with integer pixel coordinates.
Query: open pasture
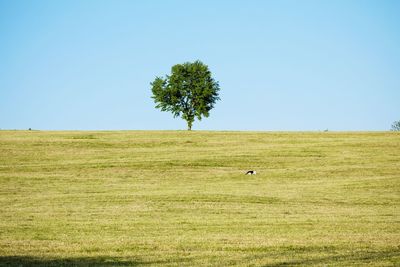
(178, 198)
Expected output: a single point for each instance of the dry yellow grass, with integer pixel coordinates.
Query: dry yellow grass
(181, 198)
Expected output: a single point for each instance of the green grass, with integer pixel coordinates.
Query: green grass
(177, 198)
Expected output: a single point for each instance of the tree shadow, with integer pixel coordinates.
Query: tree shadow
(78, 262)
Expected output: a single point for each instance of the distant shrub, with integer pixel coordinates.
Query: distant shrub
(395, 126)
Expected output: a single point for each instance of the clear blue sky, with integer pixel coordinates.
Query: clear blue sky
(282, 65)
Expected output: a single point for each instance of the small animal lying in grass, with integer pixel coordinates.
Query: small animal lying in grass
(251, 172)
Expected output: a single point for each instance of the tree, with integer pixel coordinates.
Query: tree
(395, 126)
(189, 92)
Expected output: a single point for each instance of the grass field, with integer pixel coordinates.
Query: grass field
(179, 198)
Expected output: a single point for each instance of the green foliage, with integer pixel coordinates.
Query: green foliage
(395, 126)
(189, 92)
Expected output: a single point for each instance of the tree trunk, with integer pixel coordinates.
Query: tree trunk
(189, 123)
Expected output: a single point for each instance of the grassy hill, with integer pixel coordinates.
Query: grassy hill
(181, 198)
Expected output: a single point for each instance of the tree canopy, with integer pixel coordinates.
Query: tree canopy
(395, 126)
(189, 92)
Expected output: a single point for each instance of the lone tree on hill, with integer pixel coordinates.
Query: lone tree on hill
(395, 126)
(189, 92)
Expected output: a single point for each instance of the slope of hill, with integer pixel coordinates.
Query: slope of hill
(181, 198)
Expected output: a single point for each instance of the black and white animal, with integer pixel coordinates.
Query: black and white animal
(251, 172)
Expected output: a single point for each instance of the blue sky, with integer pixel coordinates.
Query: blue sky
(281, 65)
